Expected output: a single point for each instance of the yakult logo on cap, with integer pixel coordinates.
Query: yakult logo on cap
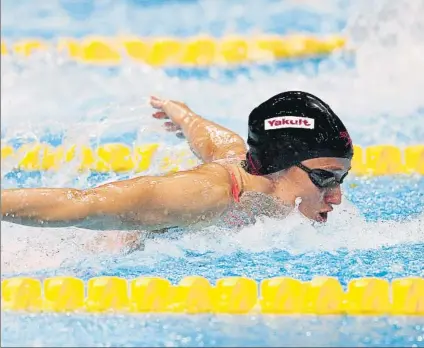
(289, 122)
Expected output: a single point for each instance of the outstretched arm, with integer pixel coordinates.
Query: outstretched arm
(178, 199)
(49, 207)
(208, 140)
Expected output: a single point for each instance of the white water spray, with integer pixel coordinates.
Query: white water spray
(379, 100)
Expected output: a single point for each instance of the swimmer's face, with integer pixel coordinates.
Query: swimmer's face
(317, 202)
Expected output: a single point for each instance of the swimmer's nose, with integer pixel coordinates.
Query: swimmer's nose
(334, 195)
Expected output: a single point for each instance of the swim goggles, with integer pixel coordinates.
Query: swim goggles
(323, 178)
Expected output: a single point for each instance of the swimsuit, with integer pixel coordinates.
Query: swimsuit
(235, 190)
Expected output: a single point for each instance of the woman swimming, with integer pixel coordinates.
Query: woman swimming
(297, 147)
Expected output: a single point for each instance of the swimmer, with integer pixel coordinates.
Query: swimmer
(297, 147)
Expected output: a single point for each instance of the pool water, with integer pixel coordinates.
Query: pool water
(377, 231)
(209, 331)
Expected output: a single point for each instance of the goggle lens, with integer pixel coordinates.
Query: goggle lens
(324, 178)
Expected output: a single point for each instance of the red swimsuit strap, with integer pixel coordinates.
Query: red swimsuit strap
(235, 190)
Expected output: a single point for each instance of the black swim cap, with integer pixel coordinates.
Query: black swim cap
(292, 127)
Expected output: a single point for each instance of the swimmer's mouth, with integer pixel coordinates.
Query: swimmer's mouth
(323, 216)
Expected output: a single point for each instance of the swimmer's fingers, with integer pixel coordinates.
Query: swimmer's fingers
(160, 115)
(159, 104)
(171, 127)
(180, 134)
(174, 110)
(156, 102)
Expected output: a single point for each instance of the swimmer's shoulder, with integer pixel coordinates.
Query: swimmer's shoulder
(235, 172)
(221, 179)
(215, 178)
(218, 172)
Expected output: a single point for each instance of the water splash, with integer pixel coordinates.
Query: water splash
(378, 98)
(28, 249)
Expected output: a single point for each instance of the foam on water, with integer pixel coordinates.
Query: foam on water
(379, 98)
(28, 249)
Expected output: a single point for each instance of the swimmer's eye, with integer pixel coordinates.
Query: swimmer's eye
(323, 178)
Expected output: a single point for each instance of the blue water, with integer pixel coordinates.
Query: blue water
(209, 331)
(152, 18)
(387, 240)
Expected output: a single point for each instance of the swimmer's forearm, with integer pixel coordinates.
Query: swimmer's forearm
(44, 207)
(209, 140)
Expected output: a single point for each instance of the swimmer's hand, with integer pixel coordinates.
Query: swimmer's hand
(172, 110)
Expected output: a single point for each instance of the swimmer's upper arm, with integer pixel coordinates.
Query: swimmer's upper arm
(173, 200)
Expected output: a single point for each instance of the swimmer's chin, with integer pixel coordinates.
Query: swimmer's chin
(320, 218)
